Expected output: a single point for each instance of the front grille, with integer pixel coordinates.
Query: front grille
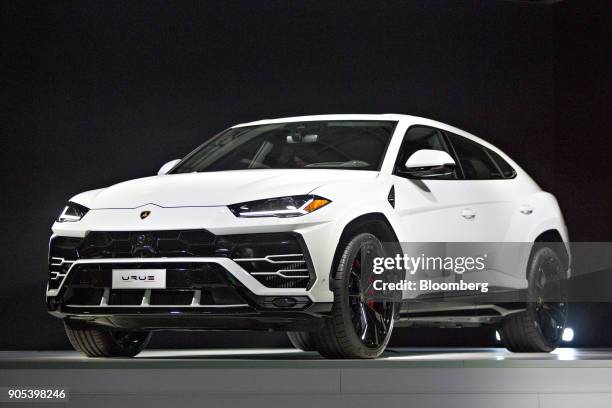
(192, 275)
(187, 284)
(147, 244)
(276, 260)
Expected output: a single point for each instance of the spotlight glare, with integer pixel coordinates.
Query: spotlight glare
(497, 336)
(568, 334)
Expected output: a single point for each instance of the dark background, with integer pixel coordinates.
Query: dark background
(98, 92)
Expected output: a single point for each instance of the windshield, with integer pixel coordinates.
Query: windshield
(359, 145)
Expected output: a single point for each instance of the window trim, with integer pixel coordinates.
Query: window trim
(489, 151)
(455, 155)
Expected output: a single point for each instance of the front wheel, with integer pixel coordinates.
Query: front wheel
(359, 326)
(540, 327)
(102, 342)
(301, 340)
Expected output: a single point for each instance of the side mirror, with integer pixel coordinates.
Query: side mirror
(429, 163)
(167, 167)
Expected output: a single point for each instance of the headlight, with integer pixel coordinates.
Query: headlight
(282, 207)
(72, 212)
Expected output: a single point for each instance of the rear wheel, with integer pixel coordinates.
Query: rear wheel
(301, 340)
(540, 327)
(101, 342)
(360, 326)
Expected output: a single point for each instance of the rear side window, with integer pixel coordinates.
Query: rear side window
(474, 159)
(506, 170)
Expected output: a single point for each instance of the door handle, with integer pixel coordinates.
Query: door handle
(468, 213)
(526, 209)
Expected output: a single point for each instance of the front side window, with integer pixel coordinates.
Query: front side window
(358, 145)
(475, 161)
(421, 137)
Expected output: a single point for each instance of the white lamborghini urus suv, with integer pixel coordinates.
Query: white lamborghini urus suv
(266, 226)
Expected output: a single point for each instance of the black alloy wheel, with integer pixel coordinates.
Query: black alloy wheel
(371, 317)
(550, 300)
(539, 328)
(362, 318)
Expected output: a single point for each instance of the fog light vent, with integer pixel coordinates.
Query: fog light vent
(284, 302)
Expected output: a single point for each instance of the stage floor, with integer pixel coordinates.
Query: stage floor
(253, 358)
(423, 377)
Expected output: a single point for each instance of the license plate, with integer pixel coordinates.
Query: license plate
(139, 279)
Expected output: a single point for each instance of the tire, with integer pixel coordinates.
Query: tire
(343, 334)
(301, 340)
(540, 327)
(100, 342)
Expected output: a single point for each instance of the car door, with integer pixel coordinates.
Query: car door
(431, 209)
(490, 201)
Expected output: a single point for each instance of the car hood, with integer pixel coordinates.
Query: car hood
(215, 188)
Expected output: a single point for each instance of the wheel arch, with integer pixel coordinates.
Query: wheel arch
(375, 223)
(552, 236)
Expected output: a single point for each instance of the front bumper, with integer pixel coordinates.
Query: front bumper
(252, 281)
(229, 265)
(246, 317)
(319, 231)
(231, 300)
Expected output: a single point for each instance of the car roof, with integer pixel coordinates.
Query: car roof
(380, 116)
(384, 116)
(411, 119)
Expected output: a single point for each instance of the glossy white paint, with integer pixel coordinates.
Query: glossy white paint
(429, 158)
(425, 210)
(168, 166)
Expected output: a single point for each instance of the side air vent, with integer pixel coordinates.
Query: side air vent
(391, 196)
(275, 260)
(63, 251)
(58, 268)
(279, 271)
